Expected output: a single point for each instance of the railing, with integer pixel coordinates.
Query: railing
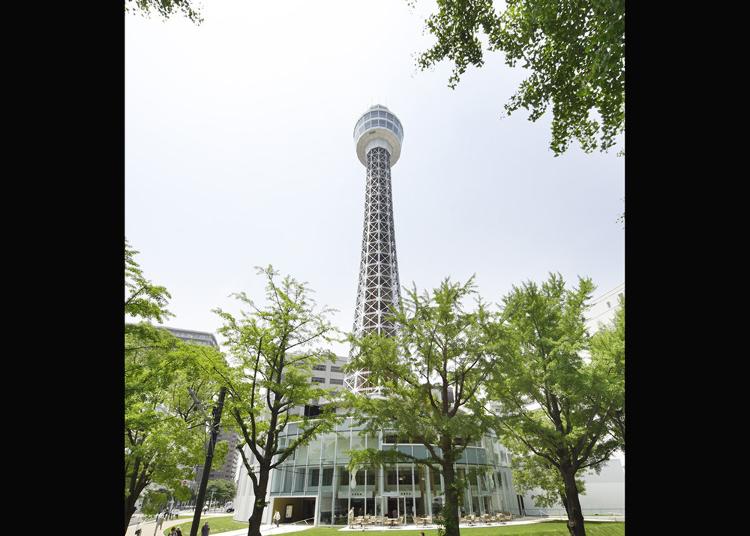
(305, 521)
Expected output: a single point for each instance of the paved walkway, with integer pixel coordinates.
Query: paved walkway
(148, 528)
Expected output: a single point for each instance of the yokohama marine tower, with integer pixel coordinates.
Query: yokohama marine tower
(378, 135)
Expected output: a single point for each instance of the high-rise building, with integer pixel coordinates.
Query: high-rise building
(228, 470)
(315, 484)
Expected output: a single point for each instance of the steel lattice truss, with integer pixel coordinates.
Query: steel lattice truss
(379, 287)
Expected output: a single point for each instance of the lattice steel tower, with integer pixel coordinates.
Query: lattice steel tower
(378, 135)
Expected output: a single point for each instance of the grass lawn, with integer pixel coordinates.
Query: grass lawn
(546, 528)
(217, 524)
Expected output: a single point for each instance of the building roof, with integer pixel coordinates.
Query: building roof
(196, 337)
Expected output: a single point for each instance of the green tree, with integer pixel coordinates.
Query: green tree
(154, 501)
(608, 356)
(554, 403)
(274, 350)
(574, 50)
(164, 8)
(431, 375)
(221, 490)
(164, 431)
(143, 299)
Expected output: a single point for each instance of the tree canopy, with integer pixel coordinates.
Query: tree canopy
(555, 403)
(274, 347)
(143, 300)
(165, 430)
(574, 51)
(165, 8)
(431, 376)
(608, 358)
(221, 490)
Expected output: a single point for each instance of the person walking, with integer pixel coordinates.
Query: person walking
(276, 518)
(204, 529)
(159, 522)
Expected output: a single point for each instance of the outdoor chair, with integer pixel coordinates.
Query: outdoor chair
(468, 519)
(424, 521)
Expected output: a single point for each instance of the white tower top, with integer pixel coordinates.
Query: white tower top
(378, 127)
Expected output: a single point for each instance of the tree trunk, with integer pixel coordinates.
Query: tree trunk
(259, 504)
(575, 515)
(450, 512)
(129, 511)
(564, 501)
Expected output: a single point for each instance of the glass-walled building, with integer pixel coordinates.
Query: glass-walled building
(315, 484)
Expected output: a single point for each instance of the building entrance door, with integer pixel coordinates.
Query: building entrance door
(407, 509)
(392, 509)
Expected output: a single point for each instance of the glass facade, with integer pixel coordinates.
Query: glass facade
(319, 470)
(379, 117)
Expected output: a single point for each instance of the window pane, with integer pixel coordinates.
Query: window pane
(404, 476)
(313, 452)
(390, 478)
(371, 473)
(342, 447)
(287, 480)
(299, 479)
(314, 475)
(329, 447)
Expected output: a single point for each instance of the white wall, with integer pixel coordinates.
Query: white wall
(605, 493)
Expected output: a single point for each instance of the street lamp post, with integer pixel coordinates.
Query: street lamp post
(207, 466)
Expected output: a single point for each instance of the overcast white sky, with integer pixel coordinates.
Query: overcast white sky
(239, 153)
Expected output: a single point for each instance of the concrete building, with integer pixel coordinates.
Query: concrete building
(228, 470)
(314, 484)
